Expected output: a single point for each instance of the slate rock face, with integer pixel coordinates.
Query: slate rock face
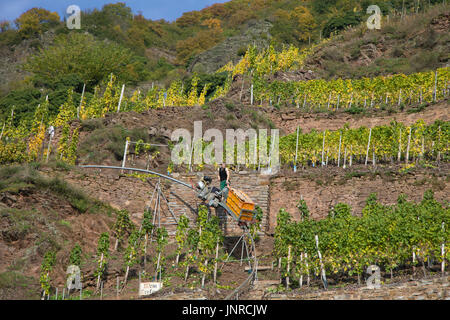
(257, 33)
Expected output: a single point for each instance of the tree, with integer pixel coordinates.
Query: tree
(189, 19)
(213, 24)
(304, 21)
(322, 6)
(217, 10)
(202, 41)
(5, 26)
(36, 21)
(338, 23)
(293, 26)
(81, 54)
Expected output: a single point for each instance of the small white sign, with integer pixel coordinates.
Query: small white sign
(148, 288)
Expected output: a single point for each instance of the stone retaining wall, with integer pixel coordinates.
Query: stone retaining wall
(256, 186)
(436, 288)
(132, 194)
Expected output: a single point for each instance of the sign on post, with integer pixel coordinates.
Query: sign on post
(148, 288)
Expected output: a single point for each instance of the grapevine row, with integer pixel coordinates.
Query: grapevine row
(394, 142)
(403, 234)
(395, 90)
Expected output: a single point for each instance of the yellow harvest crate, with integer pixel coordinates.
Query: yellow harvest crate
(241, 205)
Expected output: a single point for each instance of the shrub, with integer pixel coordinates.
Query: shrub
(338, 23)
(107, 57)
(341, 210)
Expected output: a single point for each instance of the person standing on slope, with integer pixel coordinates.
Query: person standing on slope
(224, 176)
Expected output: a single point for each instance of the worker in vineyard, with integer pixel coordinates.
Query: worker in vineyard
(224, 176)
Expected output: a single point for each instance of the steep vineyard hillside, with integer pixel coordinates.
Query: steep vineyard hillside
(358, 179)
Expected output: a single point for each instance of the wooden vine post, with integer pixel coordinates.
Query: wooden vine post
(345, 157)
(435, 87)
(242, 88)
(288, 266)
(351, 155)
(48, 148)
(301, 275)
(322, 268)
(296, 151)
(117, 286)
(339, 153)
(422, 151)
(368, 146)
(307, 269)
(323, 149)
(216, 261)
(407, 148)
(120, 99)
(81, 101)
(439, 151)
(279, 268)
(443, 252)
(99, 274)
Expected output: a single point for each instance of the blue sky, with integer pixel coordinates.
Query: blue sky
(151, 9)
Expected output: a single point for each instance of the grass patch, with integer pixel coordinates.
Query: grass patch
(13, 280)
(230, 106)
(92, 124)
(259, 118)
(230, 117)
(290, 185)
(112, 139)
(20, 223)
(418, 108)
(16, 178)
(355, 110)
(65, 223)
(355, 174)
